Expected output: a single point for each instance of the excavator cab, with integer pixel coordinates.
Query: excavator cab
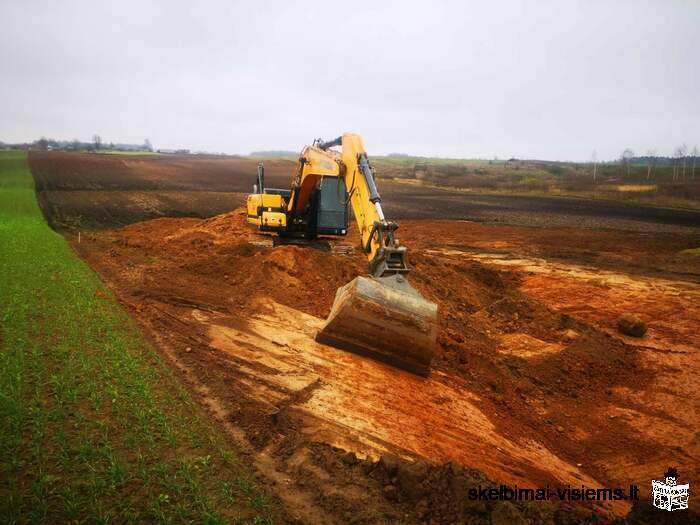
(324, 213)
(329, 207)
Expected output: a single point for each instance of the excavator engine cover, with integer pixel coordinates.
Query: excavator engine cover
(384, 318)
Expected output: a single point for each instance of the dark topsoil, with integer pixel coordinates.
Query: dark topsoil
(105, 191)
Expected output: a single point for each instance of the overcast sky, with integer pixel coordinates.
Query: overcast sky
(530, 79)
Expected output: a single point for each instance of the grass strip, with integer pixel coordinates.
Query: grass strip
(94, 427)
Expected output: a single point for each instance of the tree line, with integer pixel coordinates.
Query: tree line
(47, 144)
(683, 162)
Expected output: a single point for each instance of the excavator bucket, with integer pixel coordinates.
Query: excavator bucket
(384, 318)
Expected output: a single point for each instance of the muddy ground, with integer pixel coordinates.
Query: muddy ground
(532, 383)
(81, 190)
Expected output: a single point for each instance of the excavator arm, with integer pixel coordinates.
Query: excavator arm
(385, 255)
(381, 316)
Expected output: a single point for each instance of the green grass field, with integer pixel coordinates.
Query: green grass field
(94, 428)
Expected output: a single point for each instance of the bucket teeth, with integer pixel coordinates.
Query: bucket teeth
(386, 319)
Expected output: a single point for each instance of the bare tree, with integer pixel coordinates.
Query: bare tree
(683, 151)
(695, 157)
(626, 159)
(677, 154)
(594, 160)
(97, 141)
(673, 164)
(651, 162)
(148, 145)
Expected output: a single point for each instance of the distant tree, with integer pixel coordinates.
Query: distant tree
(695, 157)
(651, 162)
(594, 159)
(148, 145)
(626, 159)
(676, 160)
(42, 143)
(684, 156)
(674, 164)
(97, 141)
(679, 162)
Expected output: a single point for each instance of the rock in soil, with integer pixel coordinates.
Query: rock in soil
(630, 324)
(570, 335)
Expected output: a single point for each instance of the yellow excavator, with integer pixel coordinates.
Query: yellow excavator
(381, 316)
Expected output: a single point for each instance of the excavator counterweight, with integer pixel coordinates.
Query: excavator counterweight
(381, 316)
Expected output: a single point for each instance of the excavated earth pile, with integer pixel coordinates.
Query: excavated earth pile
(519, 393)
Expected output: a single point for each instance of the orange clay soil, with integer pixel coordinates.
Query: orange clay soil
(531, 384)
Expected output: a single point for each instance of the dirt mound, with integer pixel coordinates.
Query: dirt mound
(538, 370)
(227, 264)
(425, 492)
(224, 265)
(440, 494)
